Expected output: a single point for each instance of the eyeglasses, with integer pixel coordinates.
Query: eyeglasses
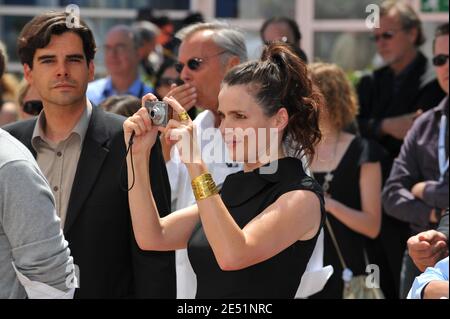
(194, 63)
(388, 35)
(440, 59)
(33, 107)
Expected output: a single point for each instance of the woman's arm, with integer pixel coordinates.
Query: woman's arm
(151, 232)
(368, 220)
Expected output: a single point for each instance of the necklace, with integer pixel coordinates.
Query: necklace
(328, 178)
(334, 153)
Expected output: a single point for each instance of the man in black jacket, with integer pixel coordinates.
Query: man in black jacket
(393, 96)
(80, 149)
(417, 189)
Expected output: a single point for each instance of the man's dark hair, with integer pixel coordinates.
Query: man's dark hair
(2, 62)
(292, 24)
(38, 32)
(440, 31)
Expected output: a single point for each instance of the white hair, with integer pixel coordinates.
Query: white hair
(224, 36)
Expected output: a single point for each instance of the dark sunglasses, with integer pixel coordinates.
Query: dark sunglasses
(385, 36)
(32, 107)
(194, 63)
(440, 59)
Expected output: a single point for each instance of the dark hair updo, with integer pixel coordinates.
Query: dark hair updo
(280, 79)
(37, 33)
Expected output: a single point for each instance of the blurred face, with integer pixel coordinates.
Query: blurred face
(166, 34)
(441, 48)
(207, 77)
(393, 43)
(278, 31)
(169, 77)
(248, 133)
(121, 56)
(60, 73)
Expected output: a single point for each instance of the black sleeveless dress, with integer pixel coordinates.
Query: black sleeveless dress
(345, 188)
(246, 195)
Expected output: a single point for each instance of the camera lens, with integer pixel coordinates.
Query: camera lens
(157, 114)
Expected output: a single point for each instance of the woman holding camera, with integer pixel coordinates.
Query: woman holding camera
(255, 239)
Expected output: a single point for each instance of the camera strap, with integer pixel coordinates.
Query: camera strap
(124, 164)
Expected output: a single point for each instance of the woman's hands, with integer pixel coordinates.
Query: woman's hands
(179, 132)
(145, 132)
(182, 133)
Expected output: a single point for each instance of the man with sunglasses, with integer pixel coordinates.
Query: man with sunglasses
(417, 189)
(392, 97)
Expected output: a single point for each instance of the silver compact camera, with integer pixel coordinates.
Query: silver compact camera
(160, 112)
